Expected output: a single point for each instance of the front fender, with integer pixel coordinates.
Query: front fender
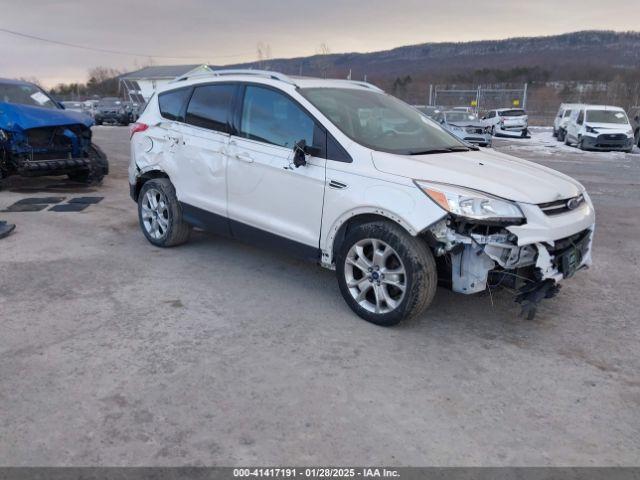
(405, 205)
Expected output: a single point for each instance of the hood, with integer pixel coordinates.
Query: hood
(466, 124)
(619, 127)
(487, 171)
(14, 117)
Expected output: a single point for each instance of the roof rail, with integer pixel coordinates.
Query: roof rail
(366, 84)
(257, 73)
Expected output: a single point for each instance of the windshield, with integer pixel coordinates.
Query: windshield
(606, 116)
(109, 102)
(461, 117)
(25, 94)
(380, 121)
(512, 113)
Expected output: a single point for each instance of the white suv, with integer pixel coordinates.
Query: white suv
(345, 175)
(507, 122)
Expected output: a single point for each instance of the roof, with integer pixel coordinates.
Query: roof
(604, 107)
(12, 81)
(159, 72)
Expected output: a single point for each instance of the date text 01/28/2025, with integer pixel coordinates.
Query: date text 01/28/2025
(315, 472)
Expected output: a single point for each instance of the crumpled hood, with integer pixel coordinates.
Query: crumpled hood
(466, 124)
(16, 117)
(610, 127)
(487, 171)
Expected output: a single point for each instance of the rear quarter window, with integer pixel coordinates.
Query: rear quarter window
(172, 103)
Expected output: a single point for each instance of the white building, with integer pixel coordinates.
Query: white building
(146, 80)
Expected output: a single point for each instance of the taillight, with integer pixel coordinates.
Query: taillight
(137, 127)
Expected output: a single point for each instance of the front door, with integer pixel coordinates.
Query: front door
(266, 192)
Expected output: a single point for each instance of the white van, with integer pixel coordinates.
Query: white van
(343, 174)
(600, 127)
(562, 118)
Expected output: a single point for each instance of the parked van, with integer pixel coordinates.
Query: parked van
(634, 117)
(562, 118)
(343, 174)
(600, 127)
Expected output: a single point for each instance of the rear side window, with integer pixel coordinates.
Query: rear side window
(271, 117)
(210, 107)
(172, 103)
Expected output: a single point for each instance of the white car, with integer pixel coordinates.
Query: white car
(562, 118)
(600, 127)
(345, 175)
(507, 122)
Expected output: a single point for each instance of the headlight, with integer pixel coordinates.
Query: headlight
(591, 129)
(4, 136)
(470, 203)
(629, 133)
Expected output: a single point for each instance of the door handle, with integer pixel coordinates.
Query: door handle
(244, 157)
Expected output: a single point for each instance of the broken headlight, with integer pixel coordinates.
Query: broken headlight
(471, 204)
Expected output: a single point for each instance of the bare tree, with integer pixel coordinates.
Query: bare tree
(264, 54)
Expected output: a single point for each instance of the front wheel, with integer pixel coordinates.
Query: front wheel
(160, 214)
(385, 275)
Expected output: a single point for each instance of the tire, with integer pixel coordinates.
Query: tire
(580, 144)
(637, 138)
(400, 296)
(555, 133)
(566, 140)
(165, 227)
(98, 168)
(561, 135)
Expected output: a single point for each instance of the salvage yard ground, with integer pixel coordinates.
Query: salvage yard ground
(113, 352)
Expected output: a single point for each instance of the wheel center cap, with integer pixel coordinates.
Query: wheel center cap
(375, 275)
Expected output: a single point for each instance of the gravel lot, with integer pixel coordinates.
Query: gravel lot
(113, 352)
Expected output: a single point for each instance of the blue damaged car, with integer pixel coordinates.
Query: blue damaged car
(39, 137)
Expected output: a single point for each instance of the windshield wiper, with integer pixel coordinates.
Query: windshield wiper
(442, 150)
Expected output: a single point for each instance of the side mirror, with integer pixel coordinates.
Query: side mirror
(300, 152)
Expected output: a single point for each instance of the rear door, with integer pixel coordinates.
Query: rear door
(201, 153)
(266, 192)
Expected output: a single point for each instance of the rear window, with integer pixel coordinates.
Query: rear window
(172, 103)
(210, 107)
(512, 113)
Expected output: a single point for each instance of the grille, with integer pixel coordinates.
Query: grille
(561, 206)
(611, 136)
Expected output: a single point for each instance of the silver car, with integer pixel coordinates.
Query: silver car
(466, 126)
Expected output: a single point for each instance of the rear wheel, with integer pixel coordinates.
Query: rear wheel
(385, 275)
(160, 214)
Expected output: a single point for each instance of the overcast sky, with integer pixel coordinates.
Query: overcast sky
(222, 32)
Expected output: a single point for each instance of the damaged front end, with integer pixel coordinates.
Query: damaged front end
(38, 137)
(475, 255)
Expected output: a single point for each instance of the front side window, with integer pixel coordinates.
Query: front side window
(381, 122)
(271, 117)
(172, 103)
(25, 94)
(606, 116)
(210, 107)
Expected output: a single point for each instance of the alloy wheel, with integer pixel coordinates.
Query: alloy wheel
(375, 276)
(155, 213)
